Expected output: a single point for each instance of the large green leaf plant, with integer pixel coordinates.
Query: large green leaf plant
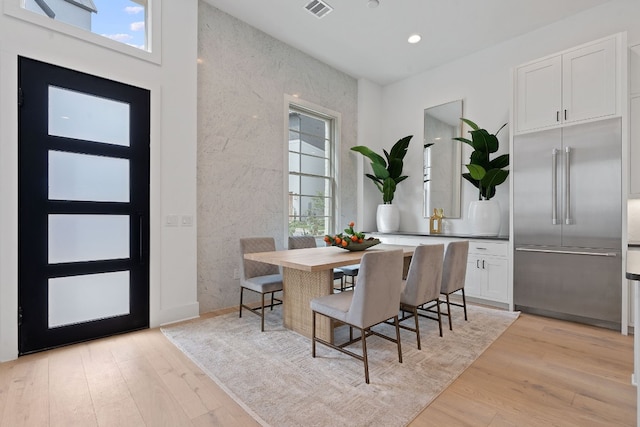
(484, 173)
(387, 174)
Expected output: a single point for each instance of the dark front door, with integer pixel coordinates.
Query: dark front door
(83, 200)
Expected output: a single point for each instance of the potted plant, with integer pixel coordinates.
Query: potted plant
(387, 174)
(485, 174)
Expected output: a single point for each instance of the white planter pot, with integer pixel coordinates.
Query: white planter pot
(484, 216)
(388, 218)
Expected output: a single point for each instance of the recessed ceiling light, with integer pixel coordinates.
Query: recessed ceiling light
(373, 3)
(414, 38)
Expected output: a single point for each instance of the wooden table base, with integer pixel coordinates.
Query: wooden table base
(300, 287)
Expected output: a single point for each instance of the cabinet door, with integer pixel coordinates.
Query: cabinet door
(589, 82)
(496, 279)
(539, 94)
(634, 147)
(474, 277)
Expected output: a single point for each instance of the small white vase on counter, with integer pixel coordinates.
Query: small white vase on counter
(484, 217)
(388, 218)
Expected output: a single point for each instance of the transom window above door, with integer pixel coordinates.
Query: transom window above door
(126, 22)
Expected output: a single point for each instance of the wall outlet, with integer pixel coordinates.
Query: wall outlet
(236, 273)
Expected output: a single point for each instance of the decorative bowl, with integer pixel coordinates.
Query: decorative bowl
(353, 246)
(350, 240)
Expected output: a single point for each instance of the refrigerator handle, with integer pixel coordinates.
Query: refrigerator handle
(567, 186)
(554, 186)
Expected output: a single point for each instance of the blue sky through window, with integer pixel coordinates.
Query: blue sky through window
(120, 20)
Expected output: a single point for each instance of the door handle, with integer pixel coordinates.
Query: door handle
(483, 264)
(567, 186)
(553, 251)
(477, 263)
(554, 186)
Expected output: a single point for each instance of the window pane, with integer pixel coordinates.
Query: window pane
(308, 225)
(87, 117)
(74, 238)
(84, 177)
(124, 21)
(312, 206)
(314, 146)
(78, 299)
(294, 184)
(314, 165)
(294, 141)
(294, 205)
(294, 162)
(312, 186)
(311, 126)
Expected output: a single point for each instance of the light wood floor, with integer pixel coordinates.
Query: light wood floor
(539, 372)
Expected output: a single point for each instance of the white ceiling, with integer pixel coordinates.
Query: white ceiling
(372, 42)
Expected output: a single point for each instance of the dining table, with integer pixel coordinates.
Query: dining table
(307, 274)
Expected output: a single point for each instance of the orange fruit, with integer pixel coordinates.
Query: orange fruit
(360, 240)
(354, 238)
(344, 243)
(338, 240)
(351, 224)
(326, 239)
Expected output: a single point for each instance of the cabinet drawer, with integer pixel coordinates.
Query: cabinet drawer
(488, 248)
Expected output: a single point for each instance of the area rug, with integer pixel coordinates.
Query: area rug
(272, 375)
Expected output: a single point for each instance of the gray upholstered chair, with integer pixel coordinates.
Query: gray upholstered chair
(352, 272)
(302, 242)
(422, 286)
(454, 271)
(375, 300)
(257, 276)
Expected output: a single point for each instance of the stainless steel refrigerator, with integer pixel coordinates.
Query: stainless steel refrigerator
(567, 222)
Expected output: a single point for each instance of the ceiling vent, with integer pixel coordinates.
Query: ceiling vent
(318, 8)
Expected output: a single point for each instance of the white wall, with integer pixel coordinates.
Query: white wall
(244, 77)
(483, 81)
(369, 134)
(173, 150)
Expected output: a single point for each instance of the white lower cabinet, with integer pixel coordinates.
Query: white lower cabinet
(487, 278)
(487, 275)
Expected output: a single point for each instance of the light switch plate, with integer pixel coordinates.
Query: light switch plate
(171, 221)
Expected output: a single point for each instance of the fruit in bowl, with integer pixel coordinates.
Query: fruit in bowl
(351, 240)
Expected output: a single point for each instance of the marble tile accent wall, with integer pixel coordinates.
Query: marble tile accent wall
(243, 76)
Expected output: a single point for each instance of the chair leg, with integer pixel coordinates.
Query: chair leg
(262, 315)
(364, 355)
(397, 323)
(241, 289)
(415, 316)
(272, 298)
(439, 318)
(464, 304)
(313, 335)
(449, 313)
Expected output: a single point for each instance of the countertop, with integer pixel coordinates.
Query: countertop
(445, 235)
(633, 263)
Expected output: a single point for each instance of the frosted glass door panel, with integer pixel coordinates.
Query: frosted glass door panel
(74, 238)
(84, 177)
(91, 118)
(77, 299)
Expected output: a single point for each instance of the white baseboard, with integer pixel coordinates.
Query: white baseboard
(177, 314)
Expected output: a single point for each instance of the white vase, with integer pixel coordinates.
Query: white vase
(388, 218)
(484, 216)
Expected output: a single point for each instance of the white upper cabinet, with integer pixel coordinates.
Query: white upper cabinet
(577, 85)
(539, 94)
